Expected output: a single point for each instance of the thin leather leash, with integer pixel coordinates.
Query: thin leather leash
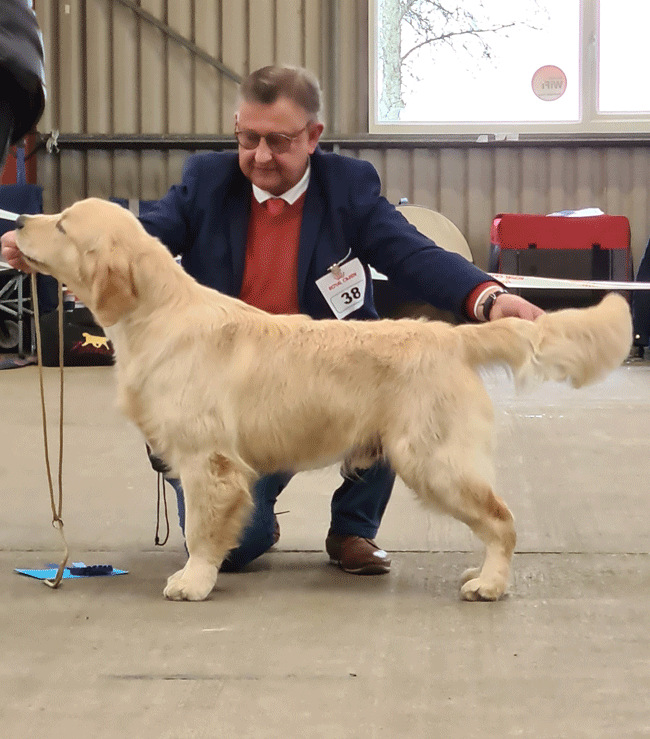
(57, 505)
(161, 493)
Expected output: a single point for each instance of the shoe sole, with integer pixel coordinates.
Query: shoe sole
(374, 569)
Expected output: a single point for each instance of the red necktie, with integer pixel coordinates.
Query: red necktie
(275, 206)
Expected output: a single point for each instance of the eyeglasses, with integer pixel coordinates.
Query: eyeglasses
(278, 143)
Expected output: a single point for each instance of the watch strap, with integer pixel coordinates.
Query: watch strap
(488, 303)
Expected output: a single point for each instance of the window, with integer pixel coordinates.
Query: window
(508, 66)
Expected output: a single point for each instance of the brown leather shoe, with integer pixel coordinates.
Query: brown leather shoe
(357, 555)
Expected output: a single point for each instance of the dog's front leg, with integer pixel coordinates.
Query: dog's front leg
(217, 504)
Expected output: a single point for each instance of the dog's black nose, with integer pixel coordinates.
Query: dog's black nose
(20, 222)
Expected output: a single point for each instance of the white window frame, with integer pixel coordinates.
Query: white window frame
(591, 122)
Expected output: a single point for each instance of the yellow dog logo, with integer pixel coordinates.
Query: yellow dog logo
(97, 341)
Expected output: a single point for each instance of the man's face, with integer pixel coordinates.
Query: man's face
(271, 171)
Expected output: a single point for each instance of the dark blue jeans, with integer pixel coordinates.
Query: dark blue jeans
(357, 509)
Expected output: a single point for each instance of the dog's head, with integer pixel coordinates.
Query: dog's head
(90, 248)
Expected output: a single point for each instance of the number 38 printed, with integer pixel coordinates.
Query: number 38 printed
(350, 295)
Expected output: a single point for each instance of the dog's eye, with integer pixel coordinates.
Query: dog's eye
(60, 227)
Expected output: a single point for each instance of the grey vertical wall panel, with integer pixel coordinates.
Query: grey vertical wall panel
(289, 32)
(557, 190)
(588, 178)
(453, 186)
(351, 55)
(534, 180)
(97, 92)
(152, 69)
(72, 178)
(313, 35)
(426, 179)
(235, 42)
(180, 71)
(101, 174)
(108, 71)
(397, 175)
(155, 179)
(68, 62)
(124, 63)
(207, 80)
(262, 34)
(153, 174)
(480, 207)
(618, 165)
(507, 180)
(126, 173)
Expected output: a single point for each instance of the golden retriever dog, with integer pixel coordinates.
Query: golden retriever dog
(224, 392)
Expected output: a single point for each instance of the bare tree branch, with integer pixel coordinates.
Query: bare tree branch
(451, 34)
(433, 21)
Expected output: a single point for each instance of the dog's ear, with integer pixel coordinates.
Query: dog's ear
(113, 291)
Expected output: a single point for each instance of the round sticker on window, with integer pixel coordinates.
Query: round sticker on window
(549, 82)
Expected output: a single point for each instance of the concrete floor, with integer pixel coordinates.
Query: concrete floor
(296, 648)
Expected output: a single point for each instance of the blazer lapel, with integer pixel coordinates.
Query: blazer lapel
(312, 215)
(240, 212)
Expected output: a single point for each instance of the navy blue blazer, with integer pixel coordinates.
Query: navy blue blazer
(204, 219)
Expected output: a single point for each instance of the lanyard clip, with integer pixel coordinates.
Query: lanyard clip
(335, 269)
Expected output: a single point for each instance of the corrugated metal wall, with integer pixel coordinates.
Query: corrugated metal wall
(471, 185)
(110, 71)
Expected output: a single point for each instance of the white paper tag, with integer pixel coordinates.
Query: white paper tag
(345, 290)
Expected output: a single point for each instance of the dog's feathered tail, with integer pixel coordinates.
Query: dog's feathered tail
(578, 345)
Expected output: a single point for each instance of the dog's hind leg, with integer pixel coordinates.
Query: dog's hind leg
(448, 477)
(475, 504)
(217, 504)
(491, 520)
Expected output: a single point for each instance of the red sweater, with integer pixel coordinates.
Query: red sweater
(271, 269)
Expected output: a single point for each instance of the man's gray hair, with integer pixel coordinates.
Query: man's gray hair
(267, 84)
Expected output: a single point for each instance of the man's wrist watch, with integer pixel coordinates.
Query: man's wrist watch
(488, 303)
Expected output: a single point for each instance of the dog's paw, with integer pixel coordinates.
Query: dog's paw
(476, 588)
(191, 583)
(470, 574)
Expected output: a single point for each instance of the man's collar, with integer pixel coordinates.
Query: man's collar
(290, 195)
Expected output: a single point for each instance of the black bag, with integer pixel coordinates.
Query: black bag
(84, 341)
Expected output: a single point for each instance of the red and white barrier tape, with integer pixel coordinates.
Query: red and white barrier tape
(556, 283)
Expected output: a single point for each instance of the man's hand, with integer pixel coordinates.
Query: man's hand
(11, 254)
(509, 305)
